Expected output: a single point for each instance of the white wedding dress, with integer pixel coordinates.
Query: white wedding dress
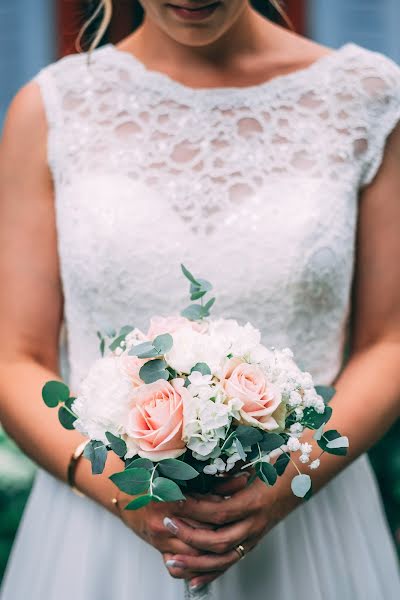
(257, 190)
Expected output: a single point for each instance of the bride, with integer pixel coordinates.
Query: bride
(270, 165)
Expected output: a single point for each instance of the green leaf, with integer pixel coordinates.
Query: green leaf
(118, 446)
(189, 276)
(266, 472)
(65, 417)
(55, 393)
(240, 449)
(281, 463)
(167, 490)
(143, 463)
(318, 434)
(126, 330)
(153, 371)
(144, 350)
(139, 502)
(313, 420)
(205, 285)
(197, 295)
(96, 452)
(329, 436)
(301, 484)
(116, 343)
(177, 469)
(193, 312)
(271, 441)
(207, 307)
(132, 481)
(102, 346)
(248, 435)
(341, 442)
(202, 368)
(163, 343)
(326, 391)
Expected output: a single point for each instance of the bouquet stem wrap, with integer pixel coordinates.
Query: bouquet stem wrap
(204, 593)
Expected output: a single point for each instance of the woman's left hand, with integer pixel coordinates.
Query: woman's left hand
(242, 519)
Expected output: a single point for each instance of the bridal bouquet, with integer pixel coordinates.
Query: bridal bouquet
(194, 398)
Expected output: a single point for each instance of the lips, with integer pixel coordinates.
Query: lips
(192, 12)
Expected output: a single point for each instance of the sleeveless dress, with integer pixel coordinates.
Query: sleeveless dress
(257, 190)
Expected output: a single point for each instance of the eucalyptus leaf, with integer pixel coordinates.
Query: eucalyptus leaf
(326, 391)
(202, 368)
(143, 463)
(126, 330)
(163, 343)
(189, 276)
(313, 420)
(197, 295)
(301, 484)
(193, 312)
(318, 434)
(266, 472)
(96, 452)
(144, 350)
(132, 481)
(328, 437)
(341, 442)
(248, 435)
(55, 393)
(281, 463)
(117, 342)
(118, 446)
(66, 416)
(154, 370)
(207, 307)
(240, 449)
(139, 502)
(271, 441)
(167, 490)
(177, 469)
(102, 346)
(205, 285)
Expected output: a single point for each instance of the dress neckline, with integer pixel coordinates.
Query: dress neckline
(162, 81)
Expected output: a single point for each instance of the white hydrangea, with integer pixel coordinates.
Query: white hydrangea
(238, 340)
(103, 400)
(191, 347)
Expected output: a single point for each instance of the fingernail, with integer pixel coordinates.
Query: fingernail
(170, 525)
(241, 474)
(227, 497)
(175, 564)
(194, 588)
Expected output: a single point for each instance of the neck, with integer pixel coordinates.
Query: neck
(249, 35)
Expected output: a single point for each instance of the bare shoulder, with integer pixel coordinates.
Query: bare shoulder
(25, 129)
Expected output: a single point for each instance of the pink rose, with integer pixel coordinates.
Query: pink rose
(156, 418)
(132, 366)
(160, 325)
(260, 399)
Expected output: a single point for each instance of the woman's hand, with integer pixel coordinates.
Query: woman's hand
(242, 519)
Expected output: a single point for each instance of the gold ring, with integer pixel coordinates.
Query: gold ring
(240, 550)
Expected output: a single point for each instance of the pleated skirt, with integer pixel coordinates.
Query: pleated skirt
(335, 547)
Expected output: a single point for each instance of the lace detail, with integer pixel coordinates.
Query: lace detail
(255, 188)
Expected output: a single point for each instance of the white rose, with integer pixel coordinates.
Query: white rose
(103, 400)
(191, 347)
(239, 340)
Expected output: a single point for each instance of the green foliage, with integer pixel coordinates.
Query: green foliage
(248, 435)
(167, 490)
(143, 463)
(177, 469)
(96, 452)
(328, 437)
(326, 391)
(202, 368)
(116, 343)
(132, 481)
(314, 420)
(266, 472)
(154, 370)
(139, 502)
(198, 289)
(55, 393)
(281, 463)
(301, 485)
(117, 444)
(65, 414)
(271, 441)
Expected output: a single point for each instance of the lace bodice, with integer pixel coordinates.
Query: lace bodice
(254, 188)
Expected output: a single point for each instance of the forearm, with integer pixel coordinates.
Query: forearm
(365, 406)
(37, 431)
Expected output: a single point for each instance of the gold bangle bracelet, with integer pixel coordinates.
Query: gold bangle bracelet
(77, 454)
